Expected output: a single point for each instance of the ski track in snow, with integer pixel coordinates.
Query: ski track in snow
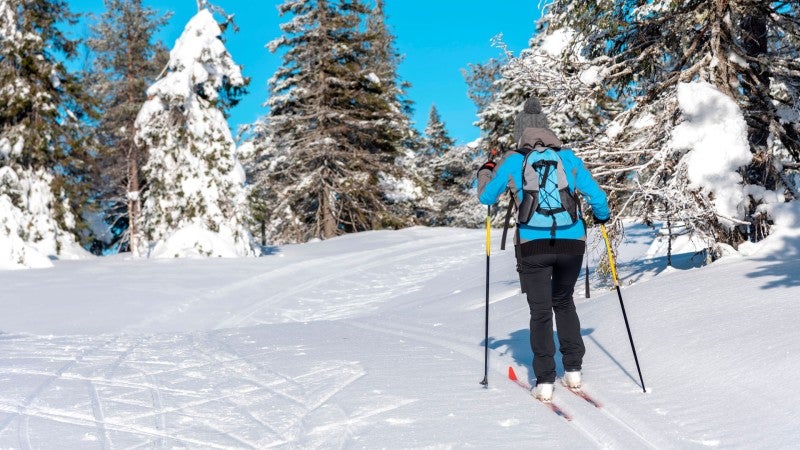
(408, 271)
(600, 426)
(133, 399)
(333, 355)
(140, 401)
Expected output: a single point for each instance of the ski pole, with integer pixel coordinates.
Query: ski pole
(621, 304)
(588, 294)
(485, 381)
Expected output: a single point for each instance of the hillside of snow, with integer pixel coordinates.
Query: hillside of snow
(375, 340)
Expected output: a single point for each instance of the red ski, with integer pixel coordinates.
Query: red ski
(525, 385)
(580, 393)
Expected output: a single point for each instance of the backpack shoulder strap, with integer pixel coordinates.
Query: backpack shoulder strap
(511, 200)
(562, 173)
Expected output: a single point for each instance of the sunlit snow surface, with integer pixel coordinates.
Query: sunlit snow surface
(374, 340)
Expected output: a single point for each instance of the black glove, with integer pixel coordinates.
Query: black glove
(490, 165)
(600, 221)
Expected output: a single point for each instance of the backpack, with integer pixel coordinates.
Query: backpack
(546, 198)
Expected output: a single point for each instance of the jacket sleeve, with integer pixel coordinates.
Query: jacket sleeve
(590, 190)
(492, 184)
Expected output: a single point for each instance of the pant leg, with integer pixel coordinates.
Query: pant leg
(536, 272)
(565, 274)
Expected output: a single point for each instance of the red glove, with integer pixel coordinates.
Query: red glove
(488, 165)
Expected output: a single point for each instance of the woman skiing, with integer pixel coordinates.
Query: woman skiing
(548, 257)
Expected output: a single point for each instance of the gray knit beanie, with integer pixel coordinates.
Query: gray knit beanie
(530, 117)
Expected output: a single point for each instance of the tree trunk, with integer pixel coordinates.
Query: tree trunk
(134, 196)
(756, 84)
(327, 216)
(725, 77)
(134, 202)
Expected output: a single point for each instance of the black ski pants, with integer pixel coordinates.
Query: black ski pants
(549, 281)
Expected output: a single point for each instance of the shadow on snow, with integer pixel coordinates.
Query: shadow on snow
(518, 347)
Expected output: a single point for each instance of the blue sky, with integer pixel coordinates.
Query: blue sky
(437, 38)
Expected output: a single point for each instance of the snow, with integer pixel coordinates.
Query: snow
(738, 59)
(7, 150)
(374, 340)
(199, 42)
(590, 76)
(8, 29)
(16, 253)
(398, 190)
(555, 43)
(196, 241)
(29, 234)
(715, 133)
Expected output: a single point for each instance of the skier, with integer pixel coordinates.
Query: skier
(548, 258)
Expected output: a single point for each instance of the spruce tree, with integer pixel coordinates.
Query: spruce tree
(127, 61)
(497, 102)
(194, 203)
(43, 152)
(334, 143)
(437, 141)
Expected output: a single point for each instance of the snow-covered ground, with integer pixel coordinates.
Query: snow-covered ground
(375, 340)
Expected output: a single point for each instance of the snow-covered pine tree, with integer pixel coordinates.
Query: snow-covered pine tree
(497, 101)
(437, 141)
(455, 199)
(449, 172)
(194, 203)
(553, 70)
(127, 61)
(647, 54)
(333, 151)
(43, 154)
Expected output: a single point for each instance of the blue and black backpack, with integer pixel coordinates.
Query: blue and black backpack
(547, 201)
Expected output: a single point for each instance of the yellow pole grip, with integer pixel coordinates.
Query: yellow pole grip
(610, 255)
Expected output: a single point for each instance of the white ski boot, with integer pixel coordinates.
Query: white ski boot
(543, 391)
(572, 379)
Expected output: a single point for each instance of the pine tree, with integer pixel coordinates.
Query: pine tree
(438, 173)
(43, 153)
(334, 143)
(497, 100)
(438, 141)
(127, 62)
(455, 198)
(194, 203)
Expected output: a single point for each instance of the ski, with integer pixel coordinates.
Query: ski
(580, 393)
(524, 385)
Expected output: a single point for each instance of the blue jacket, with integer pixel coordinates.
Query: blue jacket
(509, 174)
